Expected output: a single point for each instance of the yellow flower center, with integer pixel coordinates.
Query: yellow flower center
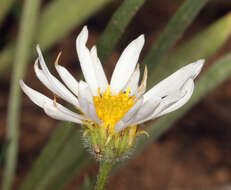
(111, 108)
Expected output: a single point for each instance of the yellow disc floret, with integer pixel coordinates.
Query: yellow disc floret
(112, 108)
(104, 142)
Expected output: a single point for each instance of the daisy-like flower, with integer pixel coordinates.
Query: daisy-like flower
(111, 112)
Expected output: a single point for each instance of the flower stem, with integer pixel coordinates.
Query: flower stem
(104, 170)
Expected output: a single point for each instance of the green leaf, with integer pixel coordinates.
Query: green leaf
(174, 30)
(116, 27)
(47, 156)
(70, 172)
(88, 184)
(54, 24)
(5, 8)
(76, 12)
(3, 152)
(6, 57)
(202, 45)
(69, 158)
(26, 34)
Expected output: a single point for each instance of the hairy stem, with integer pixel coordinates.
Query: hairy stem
(104, 170)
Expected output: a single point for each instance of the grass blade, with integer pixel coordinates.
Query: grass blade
(3, 152)
(70, 155)
(175, 28)
(88, 183)
(75, 13)
(116, 26)
(206, 43)
(26, 34)
(6, 57)
(5, 8)
(53, 26)
(70, 172)
(47, 156)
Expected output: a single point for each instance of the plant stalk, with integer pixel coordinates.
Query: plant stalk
(105, 168)
(26, 37)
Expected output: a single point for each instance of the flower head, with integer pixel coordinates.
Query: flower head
(111, 111)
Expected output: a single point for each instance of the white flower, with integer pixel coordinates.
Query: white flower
(117, 105)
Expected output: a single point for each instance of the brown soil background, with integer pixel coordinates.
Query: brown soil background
(193, 155)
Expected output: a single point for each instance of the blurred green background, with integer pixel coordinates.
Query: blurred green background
(39, 153)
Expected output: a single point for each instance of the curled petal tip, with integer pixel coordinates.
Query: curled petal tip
(85, 28)
(38, 49)
(83, 35)
(21, 83)
(94, 50)
(200, 62)
(141, 37)
(198, 66)
(140, 40)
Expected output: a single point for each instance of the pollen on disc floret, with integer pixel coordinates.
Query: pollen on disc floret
(111, 108)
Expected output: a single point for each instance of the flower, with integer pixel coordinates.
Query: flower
(111, 112)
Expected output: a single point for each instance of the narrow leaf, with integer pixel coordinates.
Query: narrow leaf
(54, 24)
(47, 156)
(66, 159)
(5, 8)
(26, 34)
(76, 12)
(116, 26)
(173, 31)
(70, 172)
(202, 45)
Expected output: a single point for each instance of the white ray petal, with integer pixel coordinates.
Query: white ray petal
(40, 75)
(41, 100)
(145, 111)
(169, 101)
(126, 64)
(86, 102)
(92, 113)
(82, 100)
(188, 90)
(56, 86)
(133, 81)
(102, 79)
(68, 79)
(36, 97)
(127, 117)
(176, 80)
(55, 113)
(164, 104)
(86, 63)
